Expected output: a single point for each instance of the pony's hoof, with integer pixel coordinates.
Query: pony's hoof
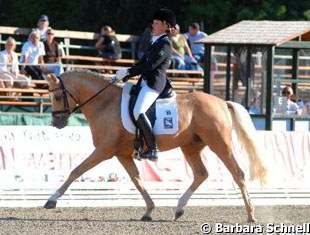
(50, 204)
(146, 218)
(178, 214)
(252, 220)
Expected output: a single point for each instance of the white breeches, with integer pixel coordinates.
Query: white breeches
(22, 81)
(145, 99)
(8, 80)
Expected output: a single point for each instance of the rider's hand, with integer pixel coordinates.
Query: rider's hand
(122, 74)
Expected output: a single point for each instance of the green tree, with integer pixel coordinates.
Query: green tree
(132, 16)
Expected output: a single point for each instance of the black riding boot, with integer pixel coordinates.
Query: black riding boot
(147, 132)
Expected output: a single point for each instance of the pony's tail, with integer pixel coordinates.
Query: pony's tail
(245, 131)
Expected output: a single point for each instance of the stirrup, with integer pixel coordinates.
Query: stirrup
(151, 154)
(137, 156)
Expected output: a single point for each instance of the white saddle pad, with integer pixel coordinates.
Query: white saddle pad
(166, 114)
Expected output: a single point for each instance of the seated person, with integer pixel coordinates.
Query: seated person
(192, 36)
(254, 101)
(292, 107)
(107, 45)
(145, 42)
(182, 55)
(52, 57)
(306, 109)
(32, 55)
(9, 71)
(42, 27)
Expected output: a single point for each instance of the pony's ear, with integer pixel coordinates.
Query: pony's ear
(51, 78)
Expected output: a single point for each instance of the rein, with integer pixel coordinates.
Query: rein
(67, 109)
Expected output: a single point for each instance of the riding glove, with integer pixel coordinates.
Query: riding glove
(122, 74)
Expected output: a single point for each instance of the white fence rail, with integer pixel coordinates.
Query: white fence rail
(164, 194)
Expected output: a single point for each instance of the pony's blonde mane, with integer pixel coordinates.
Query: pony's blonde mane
(89, 72)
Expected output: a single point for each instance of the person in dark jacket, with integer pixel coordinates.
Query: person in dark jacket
(52, 57)
(153, 78)
(107, 45)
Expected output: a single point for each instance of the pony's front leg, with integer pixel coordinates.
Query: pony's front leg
(132, 170)
(193, 158)
(95, 158)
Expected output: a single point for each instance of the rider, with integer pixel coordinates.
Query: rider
(153, 80)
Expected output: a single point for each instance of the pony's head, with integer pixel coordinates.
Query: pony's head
(63, 102)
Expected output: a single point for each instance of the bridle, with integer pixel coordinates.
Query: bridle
(67, 110)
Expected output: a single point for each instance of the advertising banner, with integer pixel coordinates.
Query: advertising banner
(43, 154)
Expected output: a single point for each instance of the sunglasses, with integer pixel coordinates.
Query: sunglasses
(50, 34)
(286, 93)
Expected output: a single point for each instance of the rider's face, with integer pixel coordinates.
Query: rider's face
(159, 27)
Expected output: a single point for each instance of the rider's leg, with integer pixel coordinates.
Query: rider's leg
(146, 98)
(146, 129)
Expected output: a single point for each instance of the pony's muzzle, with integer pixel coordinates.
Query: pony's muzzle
(60, 121)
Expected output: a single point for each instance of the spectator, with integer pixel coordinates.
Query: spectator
(32, 55)
(145, 42)
(42, 27)
(254, 101)
(182, 55)
(9, 71)
(107, 45)
(306, 109)
(52, 55)
(193, 35)
(292, 107)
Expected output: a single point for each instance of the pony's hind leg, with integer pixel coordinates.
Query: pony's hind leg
(220, 144)
(95, 158)
(238, 176)
(132, 170)
(193, 158)
(227, 157)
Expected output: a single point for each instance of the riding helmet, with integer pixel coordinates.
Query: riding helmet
(165, 14)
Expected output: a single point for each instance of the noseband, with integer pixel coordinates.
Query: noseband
(67, 110)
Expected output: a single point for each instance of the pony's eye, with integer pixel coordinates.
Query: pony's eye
(58, 97)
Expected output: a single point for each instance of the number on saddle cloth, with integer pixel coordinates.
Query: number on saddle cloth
(151, 112)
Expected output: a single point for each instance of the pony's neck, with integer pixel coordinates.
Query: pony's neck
(87, 85)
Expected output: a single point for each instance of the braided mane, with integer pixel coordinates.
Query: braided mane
(90, 72)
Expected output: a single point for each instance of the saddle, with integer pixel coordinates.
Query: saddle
(151, 112)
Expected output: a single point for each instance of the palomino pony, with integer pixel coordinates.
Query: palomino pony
(204, 120)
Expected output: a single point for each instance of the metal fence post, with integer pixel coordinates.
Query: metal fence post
(208, 83)
(269, 88)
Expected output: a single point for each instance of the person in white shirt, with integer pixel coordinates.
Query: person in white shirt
(32, 55)
(292, 107)
(9, 71)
